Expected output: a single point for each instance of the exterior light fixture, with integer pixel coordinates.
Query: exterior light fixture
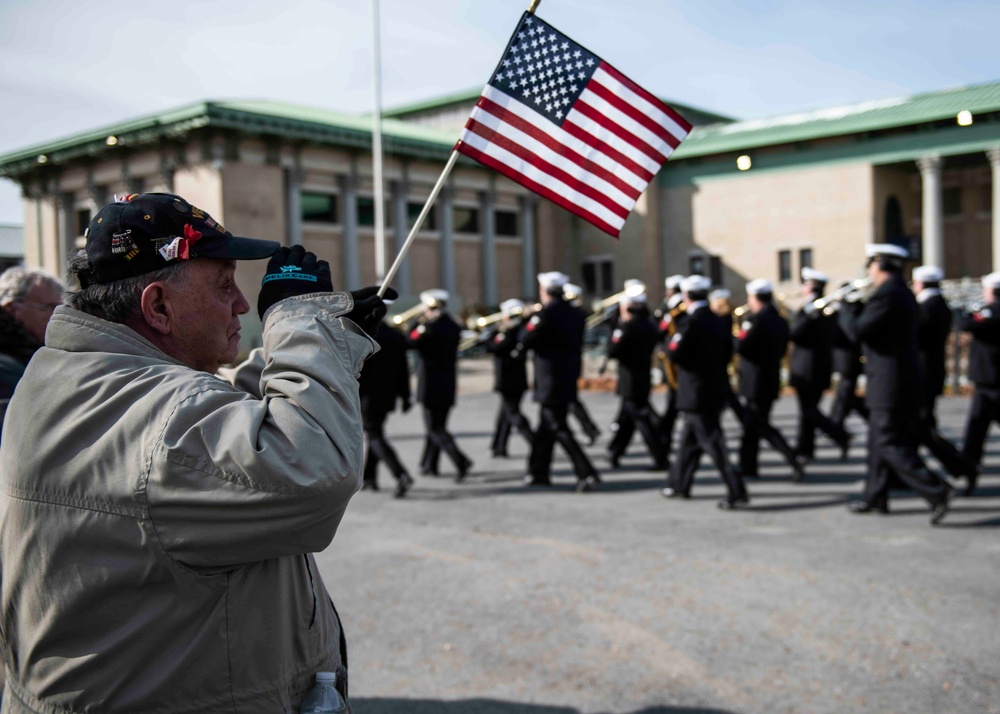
(111, 140)
(42, 159)
(743, 163)
(964, 118)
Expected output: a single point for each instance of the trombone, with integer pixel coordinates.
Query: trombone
(599, 307)
(854, 289)
(488, 320)
(407, 315)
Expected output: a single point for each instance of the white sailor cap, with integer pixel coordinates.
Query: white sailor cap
(815, 276)
(887, 250)
(435, 297)
(553, 279)
(760, 286)
(991, 281)
(571, 291)
(927, 274)
(674, 301)
(673, 282)
(508, 307)
(720, 294)
(633, 298)
(634, 285)
(696, 283)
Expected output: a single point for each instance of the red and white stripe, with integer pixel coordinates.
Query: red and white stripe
(613, 141)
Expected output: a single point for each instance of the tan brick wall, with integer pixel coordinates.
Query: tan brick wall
(468, 272)
(508, 267)
(425, 262)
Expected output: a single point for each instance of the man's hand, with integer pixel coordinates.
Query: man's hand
(290, 272)
(368, 307)
(407, 405)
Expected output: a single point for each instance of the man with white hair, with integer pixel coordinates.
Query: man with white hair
(983, 324)
(555, 336)
(887, 331)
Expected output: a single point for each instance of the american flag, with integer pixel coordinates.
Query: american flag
(564, 123)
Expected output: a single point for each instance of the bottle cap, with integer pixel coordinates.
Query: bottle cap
(326, 676)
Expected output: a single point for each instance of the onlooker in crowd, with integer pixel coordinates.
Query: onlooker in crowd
(158, 520)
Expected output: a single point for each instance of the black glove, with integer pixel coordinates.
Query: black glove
(368, 307)
(290, 272)
(407, 405)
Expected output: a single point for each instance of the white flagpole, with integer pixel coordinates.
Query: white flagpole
(420, 221)
(377, 150)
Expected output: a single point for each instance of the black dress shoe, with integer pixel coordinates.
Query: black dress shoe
(424, 471)
(404, 484)
(530, 480)
(614, 460)
(463, 471)
(940, 509)
(973, 476)
(845, 446)
(731, 504)
(502, 454)
(587, 484)
(668, 492)
(369, 485)
(798, 469)
(863, 506)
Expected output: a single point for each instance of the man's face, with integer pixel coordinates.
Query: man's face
(877, 275)
(754, 303)
(918, 287)
(33, 311)
(205, 307)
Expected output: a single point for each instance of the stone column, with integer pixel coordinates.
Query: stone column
(528, 268)
(994, 156)
(293, 204)
(933, 211)
(67, 227)
(401, 229)
(351, 264)
(487, 209)
(446, 213)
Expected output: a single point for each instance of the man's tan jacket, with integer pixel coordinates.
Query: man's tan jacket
(157, 522)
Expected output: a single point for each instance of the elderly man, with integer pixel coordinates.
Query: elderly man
(157, 521)
(27, 299)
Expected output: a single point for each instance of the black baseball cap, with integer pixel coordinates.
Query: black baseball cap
(145, 232)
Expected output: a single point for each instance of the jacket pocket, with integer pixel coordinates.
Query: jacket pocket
(312, 589)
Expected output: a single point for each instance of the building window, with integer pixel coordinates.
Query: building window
(505, 223)
(951, 199)
(466, 219)
(805, 258)
(715, 269)
(82, 220)
(319, 207)
(696, 265)
(598, 276)
(784, 266)
(413, 212)
(366, 212)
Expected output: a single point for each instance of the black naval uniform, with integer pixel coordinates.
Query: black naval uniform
(984, 372)
(576, 407)
(436, 342)
(702, 350)
(847, 363)
(511, 381)
(555, 336)
(632, 344)
(761, 344)
(811, 366)
(933, 327)
(384, 379)
(887, 331)
(670, 323)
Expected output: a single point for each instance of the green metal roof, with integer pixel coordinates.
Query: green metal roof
(264, 118)
(870, 116)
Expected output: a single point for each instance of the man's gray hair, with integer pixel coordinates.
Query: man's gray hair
(17, 281)
(118, 300)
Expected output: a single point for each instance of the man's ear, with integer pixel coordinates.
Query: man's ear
(156, 308)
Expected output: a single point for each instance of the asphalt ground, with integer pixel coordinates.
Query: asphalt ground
(488, 597)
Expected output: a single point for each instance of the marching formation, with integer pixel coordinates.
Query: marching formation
(710, 357)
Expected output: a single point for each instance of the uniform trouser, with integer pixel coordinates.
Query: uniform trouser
(552, 427)
(510, 416)
(586, 423)
(438, 440)
(703, 434)
(984, 410)
(379, 448)
(846, 400)
(892, 452)
(941, 449)
(668, 420)
(811, 419)
(758, 426)
(634, 414)
(733, 402)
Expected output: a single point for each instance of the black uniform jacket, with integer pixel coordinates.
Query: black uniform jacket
(933, 327)
(701, 350)
(847, 352)
(887, 331)
(509, 357)
(385, 375)
(984, 353)
(436, 342)
(761, 343)
(632, 344)
(555, 335)
(812, 357)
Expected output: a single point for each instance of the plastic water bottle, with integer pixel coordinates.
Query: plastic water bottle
(324, 697)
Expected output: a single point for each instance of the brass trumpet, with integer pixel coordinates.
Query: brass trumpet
(407, 315)
(600, 306)
(741, 310)
(852, 288)
(488, 320)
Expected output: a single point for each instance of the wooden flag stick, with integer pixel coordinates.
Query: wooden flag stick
(420, 221)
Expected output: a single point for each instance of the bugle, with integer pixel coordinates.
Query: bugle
(742, 310)
(855, 286)
(488, 320)
(407, 315)
(600, 306)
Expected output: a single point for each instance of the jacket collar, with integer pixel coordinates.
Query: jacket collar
(70, 330)
(693, 307)
(927, 293)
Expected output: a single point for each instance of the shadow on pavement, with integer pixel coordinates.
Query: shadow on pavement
(491, 706)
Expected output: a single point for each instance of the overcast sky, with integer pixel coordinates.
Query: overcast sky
(72, 66)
